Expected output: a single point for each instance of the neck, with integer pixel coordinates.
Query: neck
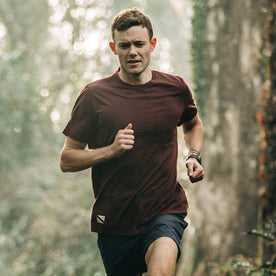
(136, 79)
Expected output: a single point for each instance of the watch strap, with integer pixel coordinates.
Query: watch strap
(197, 157)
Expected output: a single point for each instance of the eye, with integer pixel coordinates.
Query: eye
(124, 45)
(139, 44)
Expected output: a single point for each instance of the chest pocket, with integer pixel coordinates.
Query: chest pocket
(165, 127)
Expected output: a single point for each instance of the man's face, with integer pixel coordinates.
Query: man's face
(133, 48)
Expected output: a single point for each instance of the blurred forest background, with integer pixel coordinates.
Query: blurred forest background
(225, 50)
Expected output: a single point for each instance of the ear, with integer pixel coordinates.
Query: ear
(153, 44)
(112, 47)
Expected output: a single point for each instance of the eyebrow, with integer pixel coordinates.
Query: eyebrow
(135, 42)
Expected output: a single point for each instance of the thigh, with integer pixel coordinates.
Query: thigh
(161, 257)
(163, 247)
(170, 225)
(122, 255)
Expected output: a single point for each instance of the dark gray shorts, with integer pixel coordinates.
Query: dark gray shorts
(125, 255)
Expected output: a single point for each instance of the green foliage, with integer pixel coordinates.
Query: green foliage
(20, 119)
(240, 265)
(198, 51)
(264, 234)
(251, 268)
(44, 215)
(45, 224)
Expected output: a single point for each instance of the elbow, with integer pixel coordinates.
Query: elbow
(67, 164)
(64, 167)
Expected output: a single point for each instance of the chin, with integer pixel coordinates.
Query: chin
(136, 71)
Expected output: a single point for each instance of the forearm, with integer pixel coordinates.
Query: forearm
(75, 157)
(73, 160)
(193, 134)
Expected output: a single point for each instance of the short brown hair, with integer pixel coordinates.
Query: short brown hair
(129, 18)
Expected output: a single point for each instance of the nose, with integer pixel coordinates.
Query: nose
(132, 50)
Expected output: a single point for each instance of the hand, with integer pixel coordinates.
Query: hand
(124, 140)
(195, 170)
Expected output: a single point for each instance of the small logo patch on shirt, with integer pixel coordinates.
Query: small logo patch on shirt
(101, 219)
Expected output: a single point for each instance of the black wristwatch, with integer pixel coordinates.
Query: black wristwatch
(197, 157)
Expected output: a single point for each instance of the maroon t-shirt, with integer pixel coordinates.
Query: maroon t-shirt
(133, 189)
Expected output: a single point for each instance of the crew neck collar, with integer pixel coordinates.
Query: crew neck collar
(134, 85)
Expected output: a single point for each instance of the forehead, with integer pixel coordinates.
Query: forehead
(134, 33)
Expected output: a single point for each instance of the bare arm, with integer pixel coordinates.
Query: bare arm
(75, 157)
(193, 135)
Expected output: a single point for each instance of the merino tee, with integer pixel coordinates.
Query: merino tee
(133, 189)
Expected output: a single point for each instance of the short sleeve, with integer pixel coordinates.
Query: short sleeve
(190, 108)
(81, 125)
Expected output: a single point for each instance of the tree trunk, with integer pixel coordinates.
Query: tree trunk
(226, 204)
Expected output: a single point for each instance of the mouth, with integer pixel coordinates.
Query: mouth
(133, 62)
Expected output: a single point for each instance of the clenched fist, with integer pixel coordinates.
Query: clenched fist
(124, 140)
(195, 170)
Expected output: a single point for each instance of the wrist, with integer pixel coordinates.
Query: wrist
(194, 154)
(111, 151)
